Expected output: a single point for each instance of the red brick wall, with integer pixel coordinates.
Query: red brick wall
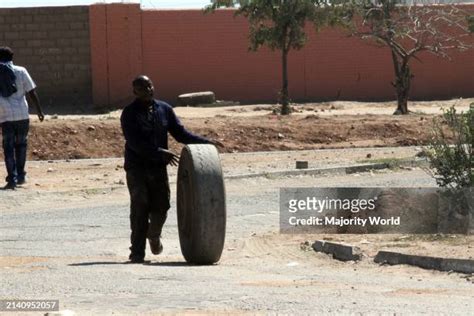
(185, 51)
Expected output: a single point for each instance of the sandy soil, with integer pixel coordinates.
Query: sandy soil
(261, 271)
(249, 128)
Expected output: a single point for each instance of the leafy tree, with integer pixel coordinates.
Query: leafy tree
(408, 30)
(279, 25)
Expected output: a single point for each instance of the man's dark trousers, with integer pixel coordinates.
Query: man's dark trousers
(15, 139)
(149, 204)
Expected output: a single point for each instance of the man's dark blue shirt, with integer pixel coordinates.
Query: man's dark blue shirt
(146, 128)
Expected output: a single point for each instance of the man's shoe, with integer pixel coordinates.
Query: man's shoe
(134, 259)
(10, 186)
(21, 182)
(156, 246)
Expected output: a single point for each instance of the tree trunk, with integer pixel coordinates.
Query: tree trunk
(402, 83)
(285, 104)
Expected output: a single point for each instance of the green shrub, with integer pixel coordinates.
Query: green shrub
(451, 151)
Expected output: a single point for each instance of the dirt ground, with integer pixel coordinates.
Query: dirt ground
(261, 271)
(249, 128)
(85, 202)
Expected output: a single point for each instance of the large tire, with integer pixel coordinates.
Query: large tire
(201, 204)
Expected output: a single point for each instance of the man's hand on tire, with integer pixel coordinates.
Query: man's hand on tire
(169, 157)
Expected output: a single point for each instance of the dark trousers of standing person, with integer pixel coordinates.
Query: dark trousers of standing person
(149, 205)
(15, 139)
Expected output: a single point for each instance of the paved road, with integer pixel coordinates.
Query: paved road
(77, 254)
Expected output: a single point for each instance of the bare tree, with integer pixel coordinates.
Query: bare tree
(407, 30)
(280, 25)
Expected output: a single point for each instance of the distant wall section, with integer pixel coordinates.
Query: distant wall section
(53, 43)
(84, 55)
(187, 51)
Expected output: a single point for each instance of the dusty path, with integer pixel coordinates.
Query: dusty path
(83, 181)
(76, 253)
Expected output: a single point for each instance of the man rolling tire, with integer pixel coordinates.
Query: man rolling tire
(145, 125)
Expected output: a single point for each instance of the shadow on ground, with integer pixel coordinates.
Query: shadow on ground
(147, 262)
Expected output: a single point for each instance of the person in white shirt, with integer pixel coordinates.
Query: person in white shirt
(15, 85)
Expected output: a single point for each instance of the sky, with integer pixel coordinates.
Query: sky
(149, 4)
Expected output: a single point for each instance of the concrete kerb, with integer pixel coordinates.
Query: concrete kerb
(338, 251)
(426, 262)
(278, 173)
(345, 252)
(270, 174)
(314, 171)
(356, 168)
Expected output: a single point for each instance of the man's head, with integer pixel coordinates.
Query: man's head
(6, 54)
(143, 88)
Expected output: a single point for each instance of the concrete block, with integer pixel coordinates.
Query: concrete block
(24, 51)
(84, 50)
(66, 42)
(39, 18)
(196, 98)
(71, 50)
(76, 10)
(41, 68)
(301, 164)
(40, 35)
(338, 251)
(76, 25)
(18, 27)
(5, 29)
(5, 11)
(70, 67)
(18, 44)
(47, 26)
(31, 26)
(27, 35)
(9, 19)
(78, 42)
(82, 33)
(12, 36)
(29, 11)
(62, 26)
(26, 19)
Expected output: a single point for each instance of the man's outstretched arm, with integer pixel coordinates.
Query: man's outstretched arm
(182, 135)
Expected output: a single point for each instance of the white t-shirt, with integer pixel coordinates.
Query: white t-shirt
(15, 107)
